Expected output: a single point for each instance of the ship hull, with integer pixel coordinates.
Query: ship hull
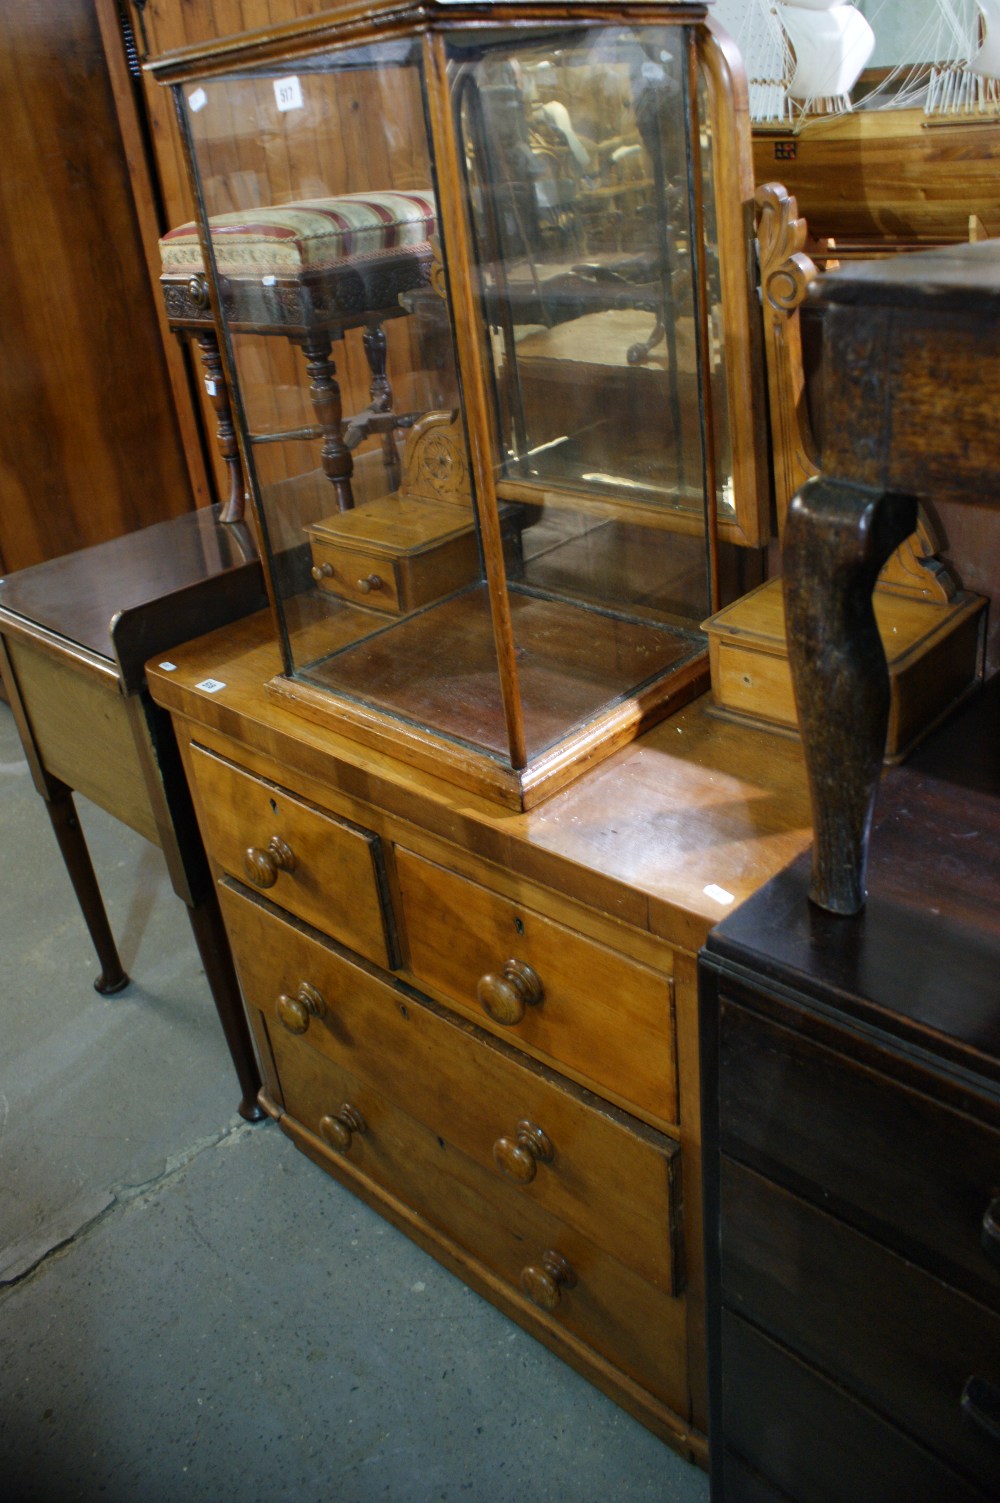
(875, 180)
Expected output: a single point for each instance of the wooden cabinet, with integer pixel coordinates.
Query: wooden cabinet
(569, 1202)
(852, 1136)
(92, 446)
(481, 1021)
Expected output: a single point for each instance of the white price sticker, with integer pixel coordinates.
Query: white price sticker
(718, 894)
(210, 685)
(288, 93)
(197, 100)
(168, 667)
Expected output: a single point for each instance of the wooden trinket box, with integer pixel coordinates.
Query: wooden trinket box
(394, 555)
(933, 649)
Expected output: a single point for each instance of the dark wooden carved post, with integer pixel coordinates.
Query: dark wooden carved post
(380, 392)
(837, 537)
(324, 389)
(225, 433)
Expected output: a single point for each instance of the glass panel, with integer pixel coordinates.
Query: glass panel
(574, 584)
(577, 151)
(318, 182)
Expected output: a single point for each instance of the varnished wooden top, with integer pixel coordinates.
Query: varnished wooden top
(963, 278)
(922, 961)
(666, 835)
(344, 20)
(124, 599)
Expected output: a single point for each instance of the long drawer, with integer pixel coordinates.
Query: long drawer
(326, 870)
(890, 1333)
(570, 1280)
(576, 1002)
(539, 1140)
(907, 1170)
(813, 1441)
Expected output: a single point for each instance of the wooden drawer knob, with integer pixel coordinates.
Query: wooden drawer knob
(505, 997)
(991, 1230)
(367, 585)
(294, 1012)
(544, 1281)
(518, 1157)
(262, 866)
(339, 1129)
(321, 571)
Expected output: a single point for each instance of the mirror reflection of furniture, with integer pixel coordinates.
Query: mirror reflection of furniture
(930, 629)
(308, 271)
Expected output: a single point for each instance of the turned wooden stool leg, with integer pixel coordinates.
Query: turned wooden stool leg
(225, 433)
(837, 537)
(338, 464)
(76, 856)
(380, 392)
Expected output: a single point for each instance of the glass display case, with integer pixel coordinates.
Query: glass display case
(482, 276)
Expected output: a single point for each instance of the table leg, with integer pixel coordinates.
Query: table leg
(73, 846)
(837, 538)
(213, 947)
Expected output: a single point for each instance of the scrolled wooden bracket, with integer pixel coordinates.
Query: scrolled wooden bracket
(785, 274)
(914, 569)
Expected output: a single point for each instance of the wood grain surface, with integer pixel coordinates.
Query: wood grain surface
(91, 444)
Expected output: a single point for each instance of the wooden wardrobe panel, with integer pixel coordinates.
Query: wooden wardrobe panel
(91, 443)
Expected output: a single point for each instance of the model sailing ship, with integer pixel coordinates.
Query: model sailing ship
(901, 157)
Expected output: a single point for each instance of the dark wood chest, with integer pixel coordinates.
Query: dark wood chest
(851, 1081)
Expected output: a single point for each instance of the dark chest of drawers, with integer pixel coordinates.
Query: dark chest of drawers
(851, 1082)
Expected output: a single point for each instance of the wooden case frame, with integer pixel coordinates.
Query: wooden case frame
(521, 780)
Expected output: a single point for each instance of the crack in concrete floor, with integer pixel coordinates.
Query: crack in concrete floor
(79, 1217)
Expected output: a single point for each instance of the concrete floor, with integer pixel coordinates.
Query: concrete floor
(189, 1309)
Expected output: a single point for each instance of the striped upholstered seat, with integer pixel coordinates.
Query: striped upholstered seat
(308, 271)
(320, 234)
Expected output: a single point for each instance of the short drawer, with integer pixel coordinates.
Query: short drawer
(813, 1441)
(578, 1003)
(882, 1328)
(585, 1162)
(571, 1282)
(321, 868)
(368, 578)
(910, 1172)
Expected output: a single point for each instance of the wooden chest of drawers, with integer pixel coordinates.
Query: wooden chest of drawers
(482, 1022)
(852, 1159)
